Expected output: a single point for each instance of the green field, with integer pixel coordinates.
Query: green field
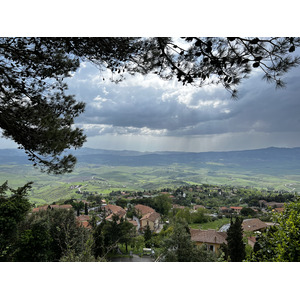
(217, 224)
(103, 179)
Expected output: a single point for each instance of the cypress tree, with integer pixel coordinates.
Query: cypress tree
(147, 236)
(86, 211)
(236, 246)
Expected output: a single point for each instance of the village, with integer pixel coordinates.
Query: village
(207, 209)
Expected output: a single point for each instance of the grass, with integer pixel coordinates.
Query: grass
(217, 224)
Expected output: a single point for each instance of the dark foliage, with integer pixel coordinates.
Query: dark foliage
(14, 207)
(236, 246)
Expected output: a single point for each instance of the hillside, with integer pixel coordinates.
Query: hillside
(266, 161)
(103, 171)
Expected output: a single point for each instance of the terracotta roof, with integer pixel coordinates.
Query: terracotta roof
(223, 208)
(208, 236)
(120, 214)
(143, 209)
(253, 224)
(152, 216)
(114, 209)
(236, 207)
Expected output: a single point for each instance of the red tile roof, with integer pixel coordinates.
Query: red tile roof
(120, 214)
(151, 216)
(114, 209)
(253, 224)
(208, 236)
(223, 208)
(143, 209)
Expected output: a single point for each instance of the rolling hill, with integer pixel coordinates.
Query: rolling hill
(103, 171)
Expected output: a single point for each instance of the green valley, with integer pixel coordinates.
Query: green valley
(103, 179)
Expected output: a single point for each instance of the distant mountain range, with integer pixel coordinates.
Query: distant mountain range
(268, 160)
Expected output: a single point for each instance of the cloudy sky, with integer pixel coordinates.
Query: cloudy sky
(150, 114)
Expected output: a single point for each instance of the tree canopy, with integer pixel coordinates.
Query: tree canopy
(37, 113)
(281, 242)
(14, 207)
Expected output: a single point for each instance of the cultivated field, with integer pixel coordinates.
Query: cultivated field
(103, 179)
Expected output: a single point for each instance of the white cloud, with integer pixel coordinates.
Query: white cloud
(147, 108)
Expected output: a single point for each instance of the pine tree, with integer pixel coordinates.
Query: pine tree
(236, 246)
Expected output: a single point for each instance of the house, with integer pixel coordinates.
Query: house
(211, 238)
(254, 225)
(143, 209)
(111, 210)
(224, 209)
(236, 209)
(152, 219)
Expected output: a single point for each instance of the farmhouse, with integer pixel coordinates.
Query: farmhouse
(152, 219)
(111, 210)
(143, 209)
(236, 209)
(254, 225)
(211, 238)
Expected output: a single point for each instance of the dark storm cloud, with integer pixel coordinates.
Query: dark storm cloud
(179, 111)
(142, 106)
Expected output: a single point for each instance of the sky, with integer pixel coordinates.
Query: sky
(146, 113)
(151, 114)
